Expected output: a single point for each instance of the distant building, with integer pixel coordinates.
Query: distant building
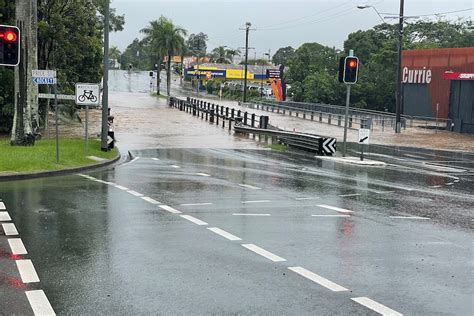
(439, 83)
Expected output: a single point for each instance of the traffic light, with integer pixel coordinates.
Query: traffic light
(348, 69)
(9, 45)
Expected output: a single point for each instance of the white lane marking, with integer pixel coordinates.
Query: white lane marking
(337, 209)
(175, 166)
(373, 305)
(263, 253)
(203, 174)
(246, 214)
(156, 159)
(27, 271)
(249, 187)
(456, 181)
(388, 192)
(39, 303)
(9, 229)
(331, 215)
(194, 220)
(306, 198)
(349, 195)
(409, 217)
(2, 206)
(121, 187)
(318, 279)
(150, 200)
(450, 183)
(134, 159)
(435, 186)
(135, 193)
(169, 209)
(5, 217)
(196, 204)
(223, 233)
(17, 246)
(257, 201)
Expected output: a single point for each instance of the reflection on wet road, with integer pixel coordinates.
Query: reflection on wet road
(222, 231)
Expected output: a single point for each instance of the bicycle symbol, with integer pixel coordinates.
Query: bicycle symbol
(87, 95)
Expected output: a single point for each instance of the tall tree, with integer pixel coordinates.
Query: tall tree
(220, 55)
(231, 53)
(283, 55)
(197, 44)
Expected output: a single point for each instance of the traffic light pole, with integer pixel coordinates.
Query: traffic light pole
(346, 120)
(105, 85)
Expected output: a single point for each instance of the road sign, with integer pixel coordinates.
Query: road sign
(44, 76)
(87, 94)
(329, 146)
(364, 136)
(60, 96)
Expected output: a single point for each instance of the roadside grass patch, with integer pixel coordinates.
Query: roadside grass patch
(42, 156)
(278, 147)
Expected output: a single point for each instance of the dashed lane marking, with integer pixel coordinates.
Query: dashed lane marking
(194, 220)
(135, 193)
(409, 217)
(450, 183)
(5, 217)
(169, 209)
(196, 204)
(377, 307)
(342, 215)
(203, 174)
(337, 209)
(17, 246)
(257, 201)
(318, 279)
(9, 229)
(249, 186)
(39, 303)
(156, 159)
(175, 167)
(456, 181)
(388, 192)
(223, 233)
(246, 214)
(150, 200)
(306, 198)
(134, 159)
(349, 195)
(121, 187)
(436, 186)
(27, 271)
(264, 253)
(2, 206)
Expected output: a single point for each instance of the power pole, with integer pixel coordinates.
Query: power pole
(105, 85)
(247, 29)
(399, 101)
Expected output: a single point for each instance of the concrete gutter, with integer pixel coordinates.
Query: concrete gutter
(62, 172)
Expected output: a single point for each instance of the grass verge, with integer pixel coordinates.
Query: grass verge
(278, 147)
(42, 156)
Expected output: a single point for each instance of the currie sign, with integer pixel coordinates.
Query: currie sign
(416, 75)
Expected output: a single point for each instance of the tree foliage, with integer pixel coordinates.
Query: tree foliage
(197, 44)
(283, 55)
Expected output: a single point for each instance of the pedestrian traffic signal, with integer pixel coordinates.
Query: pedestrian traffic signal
(351, 70)
(9, 45)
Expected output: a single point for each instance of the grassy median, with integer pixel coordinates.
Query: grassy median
(42, 156)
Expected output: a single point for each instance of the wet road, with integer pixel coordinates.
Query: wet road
(197, 230)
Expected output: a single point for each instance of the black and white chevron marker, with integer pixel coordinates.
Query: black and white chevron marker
(329, 146)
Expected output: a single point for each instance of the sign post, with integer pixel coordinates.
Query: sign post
(364, 137)
(87, 94)
(49, 77)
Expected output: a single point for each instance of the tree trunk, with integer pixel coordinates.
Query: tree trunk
(168, 79)
(182, 71)
(26, 116)
(158, 70)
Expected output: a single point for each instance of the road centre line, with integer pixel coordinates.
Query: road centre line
(256, 201)
(223, 233)
(337, 209)
(249, 214)
(121, 187)
(175, 166)
(386, 192)
(306, 198)
(194, 220)
(349, 195)
(39, 303)
(169, 209)
(27, 271)
(150, 200)
(156, 159)
(409, 217)
(264, 253)
(341, 215)
(436, 186)
(9, 229)
(2, 206)
(17, 246)
(135, 193)
(203, 174)
(377, 307)
(318, 279)
(196, 204)
(5, 217)
(249, 186)
(450, 183)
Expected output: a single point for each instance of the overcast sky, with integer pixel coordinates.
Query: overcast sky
(278, 23)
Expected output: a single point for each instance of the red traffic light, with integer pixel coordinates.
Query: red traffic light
(352, 63)
(9, 45)
(9, 36)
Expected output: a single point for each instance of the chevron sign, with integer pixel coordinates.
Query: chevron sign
(329, 146)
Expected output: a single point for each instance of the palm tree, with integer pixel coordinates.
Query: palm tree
(220, 55)
(152, 33)
(231, 53)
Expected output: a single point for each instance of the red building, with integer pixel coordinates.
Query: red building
(439, 83)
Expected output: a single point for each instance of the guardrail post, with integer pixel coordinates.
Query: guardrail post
(217, 114)
(232, 113)
(304, 115)
(188, 99)
(206, 108)
(211, 119)
(245, 118)
(338, 120)
(312, 116)
(227, 112)
(289, 112)
(194, 109)
(278, 110)
(350, 121)
(283, 111)
(297, 113)
(329, 118)
(320, 116)
(238, 113)
(383, 124)
(252, 120)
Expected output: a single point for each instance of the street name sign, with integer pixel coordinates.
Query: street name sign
(44, 76)
(60, 96)
(364, 136)
(87, 94)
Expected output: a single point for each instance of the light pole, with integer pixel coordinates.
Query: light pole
(105, 85)
(247, 29)
(398, 105)
(365, 6)
(261, 86)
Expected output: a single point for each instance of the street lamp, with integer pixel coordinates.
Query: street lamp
(365, 6)
(261, 86)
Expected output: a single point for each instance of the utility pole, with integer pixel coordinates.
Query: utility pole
(247, 29)
(399, 71)
(105, 85)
